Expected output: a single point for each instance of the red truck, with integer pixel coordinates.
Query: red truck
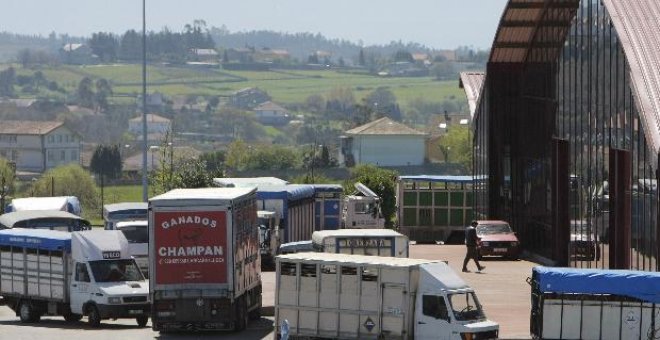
(204, 258)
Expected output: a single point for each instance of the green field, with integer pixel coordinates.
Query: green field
(284, 87)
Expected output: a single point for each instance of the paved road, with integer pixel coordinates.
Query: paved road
(501, 289)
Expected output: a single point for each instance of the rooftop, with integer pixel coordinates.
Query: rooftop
(384, 126)
(25, 127)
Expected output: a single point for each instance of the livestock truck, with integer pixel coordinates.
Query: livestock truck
(49, 272)
(338, 296)
(204, 259)
(575, 303)
(378, 242)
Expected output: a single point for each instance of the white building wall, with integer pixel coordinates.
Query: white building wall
(61, 147)
(388, 150)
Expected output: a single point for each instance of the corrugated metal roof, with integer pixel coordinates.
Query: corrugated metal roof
(532, 30)
(434, 178)
(472, 83)
(637, 24)
(384, 126)
(23, 127)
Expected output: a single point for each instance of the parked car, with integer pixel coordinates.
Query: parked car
(497, 239)
(584, 242)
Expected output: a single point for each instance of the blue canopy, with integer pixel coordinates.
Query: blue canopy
(290, 192)
(641, 285)
(328, 187)
(36, 239)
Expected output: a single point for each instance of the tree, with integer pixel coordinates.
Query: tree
(381, 181)
(106, 161)
(68, 180)
(403, 56)
(383, 103)
(86, 93)
(103, 91)
(104, 45)
(130, 46)
(215, 161)
(7, 80)
(7, 179)
(444, 70)
(361, 59)
(456, 146)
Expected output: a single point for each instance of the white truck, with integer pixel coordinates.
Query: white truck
(269, 237)
(204, 259)
(576, 303)
(137, 235)
(362, 209)
(378, 242)
(69, 204)
(337, 296)
(49, 272)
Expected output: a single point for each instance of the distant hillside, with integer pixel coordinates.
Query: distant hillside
(11, 43)
(301, 45)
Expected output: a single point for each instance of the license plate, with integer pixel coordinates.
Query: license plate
(499, 250)
(134, 311)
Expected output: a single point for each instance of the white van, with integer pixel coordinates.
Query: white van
(137, 234)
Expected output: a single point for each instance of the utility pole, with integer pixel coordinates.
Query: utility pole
(145, 188)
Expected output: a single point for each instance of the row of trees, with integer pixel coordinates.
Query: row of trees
(165, 45)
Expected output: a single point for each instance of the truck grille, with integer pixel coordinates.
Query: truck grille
(135, 299)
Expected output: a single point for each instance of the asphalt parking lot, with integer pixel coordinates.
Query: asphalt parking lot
(501, 289)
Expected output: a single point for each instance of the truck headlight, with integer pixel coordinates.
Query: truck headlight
(114, 300)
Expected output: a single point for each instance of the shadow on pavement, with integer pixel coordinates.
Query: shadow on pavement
(257, 329)
(61, 324)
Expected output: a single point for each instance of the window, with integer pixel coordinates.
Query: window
(369, 274)
(74, 155)
(329, 269)
(81, 273)
(59, 138)
(288, 268)
(348, 270)
(51, 157)
(435, 307)
(308, 270)
(62, 155)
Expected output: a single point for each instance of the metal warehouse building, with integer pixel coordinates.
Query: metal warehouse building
(567, 129)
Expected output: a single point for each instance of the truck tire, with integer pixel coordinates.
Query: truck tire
(70, 317)
(27, 313)
(241, 320)
(142, 320)
(93, 316)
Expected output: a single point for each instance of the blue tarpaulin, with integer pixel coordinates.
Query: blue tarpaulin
(641, 285)
(36, 239)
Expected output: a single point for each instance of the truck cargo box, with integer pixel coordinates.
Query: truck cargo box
(574, 303)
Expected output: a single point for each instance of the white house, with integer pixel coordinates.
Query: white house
(155, 125)
(270, 113)
(382, 142)
(37, 146)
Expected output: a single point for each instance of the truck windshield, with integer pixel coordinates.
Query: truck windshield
(136, 234)
(465, 307)
(115, 271)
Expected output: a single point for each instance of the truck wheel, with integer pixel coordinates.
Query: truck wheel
(70, 317)
(27, 313)
(241, 320)
(93, 316)
(142, 320)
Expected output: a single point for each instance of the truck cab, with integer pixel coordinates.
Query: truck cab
(106, 282)
(137, 235)
(362, 210)
(446, 308)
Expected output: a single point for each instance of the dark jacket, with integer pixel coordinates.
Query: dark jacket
(471, 238)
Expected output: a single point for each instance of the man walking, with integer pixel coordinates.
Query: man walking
(471, 242)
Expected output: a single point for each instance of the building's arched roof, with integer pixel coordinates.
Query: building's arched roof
(532, 30)
(536, 31)
(472, 83)
(637, 23)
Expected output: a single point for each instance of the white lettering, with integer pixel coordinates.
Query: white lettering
(189, 219)
(191, 251)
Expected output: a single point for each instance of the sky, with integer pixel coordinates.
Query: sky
(434, 23)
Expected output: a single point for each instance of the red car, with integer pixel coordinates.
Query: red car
(497, 239)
